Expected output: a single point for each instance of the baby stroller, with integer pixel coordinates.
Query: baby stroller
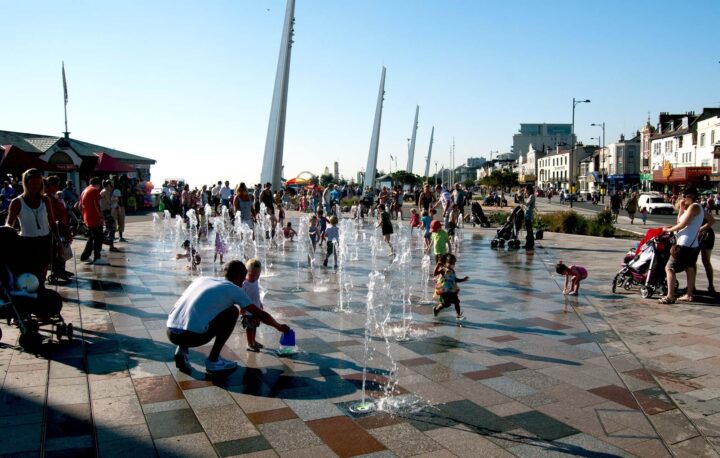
(75, 221)
(645, 266)
(23, 309)
(478, 216)
(24, 302)
(509, 231)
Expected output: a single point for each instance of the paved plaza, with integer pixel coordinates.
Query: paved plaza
(530, 372)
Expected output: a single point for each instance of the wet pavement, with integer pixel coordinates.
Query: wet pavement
(530, 372)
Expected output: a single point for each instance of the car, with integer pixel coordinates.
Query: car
(409, 196)
(655, 204)
(573, 197)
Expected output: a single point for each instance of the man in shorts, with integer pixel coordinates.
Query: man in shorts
(206, 311)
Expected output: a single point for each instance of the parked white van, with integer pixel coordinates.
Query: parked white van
(655, 203)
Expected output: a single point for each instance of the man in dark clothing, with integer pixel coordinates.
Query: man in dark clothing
(615, 204)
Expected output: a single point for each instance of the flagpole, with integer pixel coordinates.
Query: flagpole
(65, 99)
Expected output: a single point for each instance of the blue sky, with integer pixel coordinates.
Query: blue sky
(189, 83)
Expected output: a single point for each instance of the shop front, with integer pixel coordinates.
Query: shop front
(670, 179)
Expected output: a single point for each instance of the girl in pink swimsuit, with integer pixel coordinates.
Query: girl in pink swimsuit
(573, 276)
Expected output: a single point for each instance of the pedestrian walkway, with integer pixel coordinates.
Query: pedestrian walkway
(529, 373)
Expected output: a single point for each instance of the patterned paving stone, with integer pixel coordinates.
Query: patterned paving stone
(172, 423)
(335, 432)
(289, 435)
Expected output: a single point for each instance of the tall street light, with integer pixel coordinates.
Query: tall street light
(602, 125)
(572, 150)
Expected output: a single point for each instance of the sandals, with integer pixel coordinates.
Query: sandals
(685, 298)
(666, 300)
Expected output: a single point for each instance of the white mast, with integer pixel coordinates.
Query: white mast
(370, 170)
(427, 160)
(275, 140)
(411, 149)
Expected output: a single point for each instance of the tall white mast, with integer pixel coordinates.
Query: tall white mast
(411, 149)
(370, 170)
(275, 140)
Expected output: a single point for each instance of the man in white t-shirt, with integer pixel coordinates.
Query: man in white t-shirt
(207, 310)
(226, 193)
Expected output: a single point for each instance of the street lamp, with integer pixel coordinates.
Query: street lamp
(436, 172)
(572, 139)
(602, 125)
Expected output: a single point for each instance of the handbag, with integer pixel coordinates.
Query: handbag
(67, 251)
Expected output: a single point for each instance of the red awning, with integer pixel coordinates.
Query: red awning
(108, 164)
(16, 161)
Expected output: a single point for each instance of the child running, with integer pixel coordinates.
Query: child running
(414, 220)
(440, 240)
(333, 234)
(251, 287)
(446, 288)
(573, 276)
(322, 225)
(386, 226)
(426, 220)
(220, 246)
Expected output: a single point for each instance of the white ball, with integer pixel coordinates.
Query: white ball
(28, 283)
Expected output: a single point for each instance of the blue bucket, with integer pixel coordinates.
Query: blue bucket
(287, 339)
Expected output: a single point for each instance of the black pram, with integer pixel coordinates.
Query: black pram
(509, 231)
(478, 216)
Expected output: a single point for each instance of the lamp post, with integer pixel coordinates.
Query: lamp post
(602, 126)
(436, 172)
(391, 162)
(572, 150)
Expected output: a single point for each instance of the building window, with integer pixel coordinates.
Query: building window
(702, 139)
(712, 137)
(680, 140)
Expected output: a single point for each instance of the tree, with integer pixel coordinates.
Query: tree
(402, 177)
(469, 183)
(503, 179)
(326, 179)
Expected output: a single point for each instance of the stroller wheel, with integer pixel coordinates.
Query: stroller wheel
(69, 331)
(493, 243)
(628, 284)
(30, 341)
(0, 333)
(615, 282)
(501, 242)
(646, 292)
(60, 331)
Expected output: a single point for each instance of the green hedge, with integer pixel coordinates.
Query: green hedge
(567, 222)
(570, 222)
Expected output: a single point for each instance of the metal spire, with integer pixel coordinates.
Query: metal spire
(275, 140)
(371, 169)
(411, 149)
(427, 160)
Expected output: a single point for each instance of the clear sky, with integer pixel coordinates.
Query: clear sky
(189, 83)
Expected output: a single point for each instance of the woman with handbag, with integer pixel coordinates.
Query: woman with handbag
(686, 249)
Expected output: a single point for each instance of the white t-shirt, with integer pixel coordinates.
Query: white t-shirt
(226, 193)
(332, 233)
(252, 289)
(202, 301)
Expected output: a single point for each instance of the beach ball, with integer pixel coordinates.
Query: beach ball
(28, 283)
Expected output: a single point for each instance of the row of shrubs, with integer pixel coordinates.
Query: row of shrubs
(567, 222)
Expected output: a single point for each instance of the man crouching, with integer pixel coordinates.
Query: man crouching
(206, 310)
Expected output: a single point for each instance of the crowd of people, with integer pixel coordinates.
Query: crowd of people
(39, 210)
